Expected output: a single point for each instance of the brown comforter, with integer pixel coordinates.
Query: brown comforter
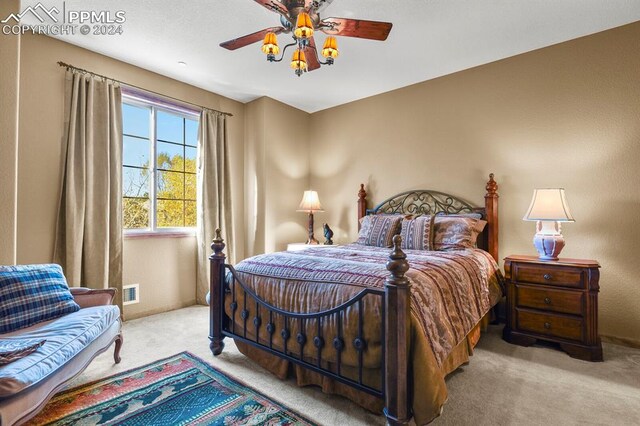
(451, 292)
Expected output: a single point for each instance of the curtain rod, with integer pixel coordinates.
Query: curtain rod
(63, 64)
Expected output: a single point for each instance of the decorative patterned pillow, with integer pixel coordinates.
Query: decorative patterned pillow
(378, 230)
(30, 294)
(456, 232)
(417, 233)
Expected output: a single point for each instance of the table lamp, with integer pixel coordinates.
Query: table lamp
(548, 208)
(310, 203)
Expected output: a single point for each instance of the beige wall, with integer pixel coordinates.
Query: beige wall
(164, 267)
(276, 174)
(9, 101)
(567, 115)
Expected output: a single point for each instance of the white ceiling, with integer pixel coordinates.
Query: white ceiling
(430, 38)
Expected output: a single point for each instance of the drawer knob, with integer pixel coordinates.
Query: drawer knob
(547, 300)
(547, 277)
(547, 325)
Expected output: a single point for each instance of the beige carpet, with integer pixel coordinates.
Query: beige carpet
(503, 385)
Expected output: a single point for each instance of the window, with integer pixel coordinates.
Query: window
(159, 167)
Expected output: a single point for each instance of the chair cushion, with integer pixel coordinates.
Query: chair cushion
(30, 294)
(65, 337)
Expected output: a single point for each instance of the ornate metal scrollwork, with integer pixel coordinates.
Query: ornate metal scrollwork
(422, 202)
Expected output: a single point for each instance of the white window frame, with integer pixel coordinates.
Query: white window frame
(153, 230)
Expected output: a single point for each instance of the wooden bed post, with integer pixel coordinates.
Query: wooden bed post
(491, 207)
(362, 204)
(398, 332)
(216, 294)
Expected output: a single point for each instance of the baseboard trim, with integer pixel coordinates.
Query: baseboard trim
(632, 343)
(129, 316)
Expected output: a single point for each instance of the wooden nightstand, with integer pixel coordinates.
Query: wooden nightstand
(555, 301)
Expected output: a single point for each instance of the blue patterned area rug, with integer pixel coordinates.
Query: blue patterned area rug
(179, 390)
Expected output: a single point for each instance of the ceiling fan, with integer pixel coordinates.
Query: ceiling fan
(302, 19)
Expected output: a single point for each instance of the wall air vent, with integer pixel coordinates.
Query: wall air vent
(131, 294)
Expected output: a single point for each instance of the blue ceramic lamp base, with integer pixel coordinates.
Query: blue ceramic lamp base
(548, 240)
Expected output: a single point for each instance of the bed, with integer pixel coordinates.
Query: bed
(381, 326)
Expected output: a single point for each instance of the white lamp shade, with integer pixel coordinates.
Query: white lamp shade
(549, 204)
(310, 202)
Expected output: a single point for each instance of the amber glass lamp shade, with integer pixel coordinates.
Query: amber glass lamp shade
(270, 44)
(330, 49)
(304, 27)
(299, 61)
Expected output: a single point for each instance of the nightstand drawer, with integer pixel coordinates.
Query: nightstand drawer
(550, 324)
(565, 301)
(539, 274)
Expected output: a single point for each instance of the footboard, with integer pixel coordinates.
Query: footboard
(318, 341)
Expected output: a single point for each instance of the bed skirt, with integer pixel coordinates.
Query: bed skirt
(428, 377)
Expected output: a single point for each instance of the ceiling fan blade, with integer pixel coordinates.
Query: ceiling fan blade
(372, 30)
(243, 41)
(274, 6)
(312, 56)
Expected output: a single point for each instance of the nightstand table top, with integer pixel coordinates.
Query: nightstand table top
(585, 263)
(303, 246)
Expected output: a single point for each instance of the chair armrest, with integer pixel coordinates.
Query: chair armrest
(86, 297)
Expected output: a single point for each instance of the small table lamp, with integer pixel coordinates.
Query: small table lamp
(548, 208)
(310, 203)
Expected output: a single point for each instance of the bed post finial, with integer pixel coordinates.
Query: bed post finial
(397, 263)
(218, 245)
(491, 208)
(362, 204)
(216, 294)
(492, 185)
(397, 332)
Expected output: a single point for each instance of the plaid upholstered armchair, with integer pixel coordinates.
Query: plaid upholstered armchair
(48, 335)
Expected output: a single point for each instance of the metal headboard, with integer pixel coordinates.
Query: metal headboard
(424, 202)
(435, 202)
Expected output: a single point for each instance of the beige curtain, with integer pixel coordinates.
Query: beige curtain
(214, 194)
(89, 228)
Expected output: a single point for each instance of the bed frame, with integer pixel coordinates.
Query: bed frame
(395, 387)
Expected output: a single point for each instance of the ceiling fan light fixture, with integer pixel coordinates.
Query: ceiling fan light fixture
(330, 49)
(304, 26)
(270, 44)
(299, 62)
(301, 20)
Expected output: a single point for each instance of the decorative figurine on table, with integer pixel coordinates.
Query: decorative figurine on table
(328, 234)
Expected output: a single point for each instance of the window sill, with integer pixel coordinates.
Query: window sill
(158, 234)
